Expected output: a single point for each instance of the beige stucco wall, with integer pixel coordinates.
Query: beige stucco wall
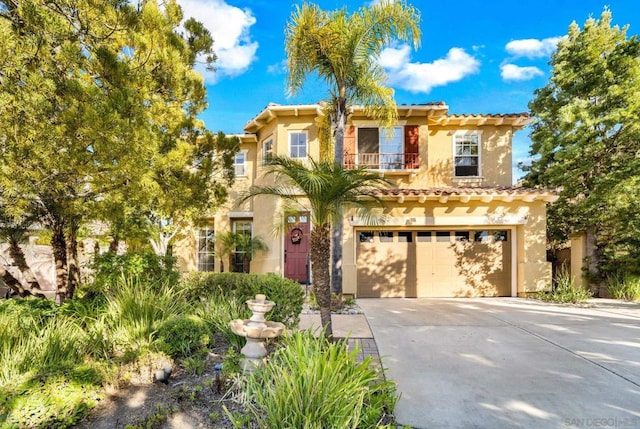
(265, 211)
(185, 247)
(530, 271)
(495, 158)
(578, 255)
(534, 272)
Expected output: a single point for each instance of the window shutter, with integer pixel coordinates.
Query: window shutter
(411, 146)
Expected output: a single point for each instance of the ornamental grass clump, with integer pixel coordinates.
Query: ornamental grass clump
(565, 291)
(33, 341)
(45, 380)
(136, 308)
(624, 286)
(218, 309)
(312, 383)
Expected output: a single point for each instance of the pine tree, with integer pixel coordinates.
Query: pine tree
(586, 140)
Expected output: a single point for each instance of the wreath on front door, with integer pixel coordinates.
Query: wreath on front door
(296, 235)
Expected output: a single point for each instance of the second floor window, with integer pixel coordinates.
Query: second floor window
(379, 148)
(298, 144)
(267, 151)
(467, 155)
(239, 162)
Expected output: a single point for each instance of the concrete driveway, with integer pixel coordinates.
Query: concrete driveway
(509, 362)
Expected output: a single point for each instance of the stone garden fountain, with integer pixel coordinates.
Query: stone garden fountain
(256, 330)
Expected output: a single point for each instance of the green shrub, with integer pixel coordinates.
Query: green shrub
(624, 286)
(61, 346)
(313, 383)
(110, 268)
(183, 336)
(565, 291)
(287, 294)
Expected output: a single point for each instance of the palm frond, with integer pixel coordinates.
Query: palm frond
(342, 50)
(326, 187)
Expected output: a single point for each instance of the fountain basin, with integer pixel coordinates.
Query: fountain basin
(247, 328)
(260, 304)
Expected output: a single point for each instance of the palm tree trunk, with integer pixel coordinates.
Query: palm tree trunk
(59, 245)
(336, 255)
(338, 226)
(247, 263)
(320, 244)
(12, 282)
(72, 260)
(114, 244)
(19, 260)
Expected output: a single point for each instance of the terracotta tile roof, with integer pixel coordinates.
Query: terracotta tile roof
(471, 192)
(490, 115)
(429, 103)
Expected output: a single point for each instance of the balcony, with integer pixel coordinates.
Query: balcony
(382, 161)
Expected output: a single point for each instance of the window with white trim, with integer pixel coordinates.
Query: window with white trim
(240, 262)
(298, 144)
(206, 248)
(239, 164)
(267, 151)
(467, 154)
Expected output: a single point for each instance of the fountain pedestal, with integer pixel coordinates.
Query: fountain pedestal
(256, 330)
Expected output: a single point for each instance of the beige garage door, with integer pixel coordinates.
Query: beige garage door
(433, 263)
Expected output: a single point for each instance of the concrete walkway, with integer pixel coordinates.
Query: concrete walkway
(510, 363)
(353, 326)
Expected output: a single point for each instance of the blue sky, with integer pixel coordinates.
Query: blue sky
(478, 57)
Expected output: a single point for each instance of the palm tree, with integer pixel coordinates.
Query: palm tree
(343, 50)
(323, 189)
(239, 243)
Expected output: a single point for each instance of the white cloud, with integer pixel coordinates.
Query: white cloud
(512, 72)
(532, 48)
(393, 58)
(278, 68)
(229, 26)
(422, 77)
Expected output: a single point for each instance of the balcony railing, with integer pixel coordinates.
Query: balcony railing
(382, 161)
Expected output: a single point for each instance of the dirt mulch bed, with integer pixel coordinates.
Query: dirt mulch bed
(186, 401)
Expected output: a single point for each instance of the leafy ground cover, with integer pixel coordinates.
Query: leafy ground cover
(92, 362)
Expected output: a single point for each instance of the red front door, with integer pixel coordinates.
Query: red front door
(296, 247)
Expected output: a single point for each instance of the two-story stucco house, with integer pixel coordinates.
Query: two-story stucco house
(455, 225)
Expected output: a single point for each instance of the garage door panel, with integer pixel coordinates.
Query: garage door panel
(385, 269)
(436, 264)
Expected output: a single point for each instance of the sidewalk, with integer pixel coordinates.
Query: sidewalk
(353, 326)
